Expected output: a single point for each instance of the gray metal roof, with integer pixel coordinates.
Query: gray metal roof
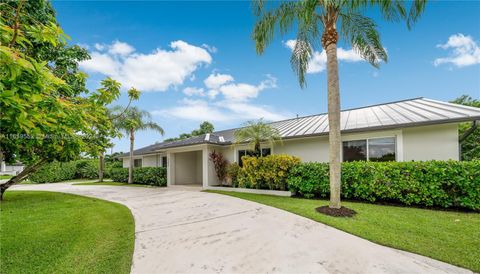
(399, 114)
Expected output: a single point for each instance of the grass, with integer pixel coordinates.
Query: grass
(452, 237)
(47, 232)
(2, 177)
(111, 184)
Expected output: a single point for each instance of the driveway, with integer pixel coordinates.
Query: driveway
(182, 230)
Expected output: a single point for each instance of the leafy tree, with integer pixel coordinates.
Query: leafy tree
(469, 132)
(205, 127)
(131, 121)
(46, 113)
(256, 132)
(319, 23)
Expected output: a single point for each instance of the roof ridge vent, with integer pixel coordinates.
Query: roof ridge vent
(222, 140)
(207, 137)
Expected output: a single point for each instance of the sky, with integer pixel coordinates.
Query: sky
(196, 61)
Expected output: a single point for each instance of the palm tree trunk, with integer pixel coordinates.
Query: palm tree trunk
(334, 136)
(130, 168)
(101, 167)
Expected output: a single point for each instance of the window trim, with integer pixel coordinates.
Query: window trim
(141, 162)
(367, 152)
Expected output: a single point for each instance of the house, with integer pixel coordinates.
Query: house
(414, 129)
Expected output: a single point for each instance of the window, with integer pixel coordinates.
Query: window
(381, 149)
(137, 163)
(375, 149)
(355, 151)
(242, 153)
(266, 151)
(164, 161)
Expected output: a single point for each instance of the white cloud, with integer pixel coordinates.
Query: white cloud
(318, 62)
(222, 111)
(120, 48)
(195, 110)
(211, 49)
(242, 92)
(465, 51)
(192, 91)
(234, 105)
(215, 80)
(156, 71)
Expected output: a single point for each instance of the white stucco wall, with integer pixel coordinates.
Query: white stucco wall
(438, 142)
(149, 161)
(307, 149)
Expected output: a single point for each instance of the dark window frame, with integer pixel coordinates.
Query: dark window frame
(136, 161)
(164, 161)
(367, 148)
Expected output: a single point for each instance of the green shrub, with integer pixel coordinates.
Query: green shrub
(54, 172)
(154, 176)
(119, 175)
(269, 172)
(233, 171)
(87, 169)
(430, 183)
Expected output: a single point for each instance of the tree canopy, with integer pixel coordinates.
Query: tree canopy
(256, 132)
(204, 128)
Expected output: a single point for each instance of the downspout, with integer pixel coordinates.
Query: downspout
(465, 136)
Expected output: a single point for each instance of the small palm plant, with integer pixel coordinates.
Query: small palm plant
(322, 23)
(131, 121)
(256, 132)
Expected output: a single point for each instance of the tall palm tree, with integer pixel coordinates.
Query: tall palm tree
(255, 132)
(131, 121)
(316, 22)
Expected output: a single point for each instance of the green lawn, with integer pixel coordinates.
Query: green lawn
(452, 237)
(2, 177)
(111, 184)
(47, 232)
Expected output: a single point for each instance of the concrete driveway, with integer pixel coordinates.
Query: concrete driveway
(182, 230)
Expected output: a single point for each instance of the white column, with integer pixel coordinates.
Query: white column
(205, 169)
(170, 169)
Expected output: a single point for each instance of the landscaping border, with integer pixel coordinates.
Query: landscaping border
(251, 190)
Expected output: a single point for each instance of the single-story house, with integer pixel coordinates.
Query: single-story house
(414, 129)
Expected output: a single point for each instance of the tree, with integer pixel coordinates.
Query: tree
(469, 132)
(131, 121)
(45, 115)
(205, 127)
(256, 132)
(317, 24)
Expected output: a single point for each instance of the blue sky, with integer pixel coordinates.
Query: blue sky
(195, 61)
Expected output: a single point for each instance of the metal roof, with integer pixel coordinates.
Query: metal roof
(399, 114)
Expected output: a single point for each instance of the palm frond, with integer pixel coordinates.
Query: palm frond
(361, 33)
(280, 20)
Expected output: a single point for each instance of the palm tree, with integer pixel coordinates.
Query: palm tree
(316, 22)
(256, 132)
(131, 121)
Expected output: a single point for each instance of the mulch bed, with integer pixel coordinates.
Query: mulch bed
(336, 212)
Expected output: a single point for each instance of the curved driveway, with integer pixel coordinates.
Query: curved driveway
(182, 230)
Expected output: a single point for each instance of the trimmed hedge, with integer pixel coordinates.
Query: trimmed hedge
(63, 171)
(430, 183)
(154, 176)
(54, 172)
(269, 172)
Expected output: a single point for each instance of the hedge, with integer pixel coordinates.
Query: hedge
(269, 172)
(154, 176)
(430, 183)
(79, 169)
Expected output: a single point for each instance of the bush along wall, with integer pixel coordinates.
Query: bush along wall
(430, 183)
(269, 172)
(154, 176)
